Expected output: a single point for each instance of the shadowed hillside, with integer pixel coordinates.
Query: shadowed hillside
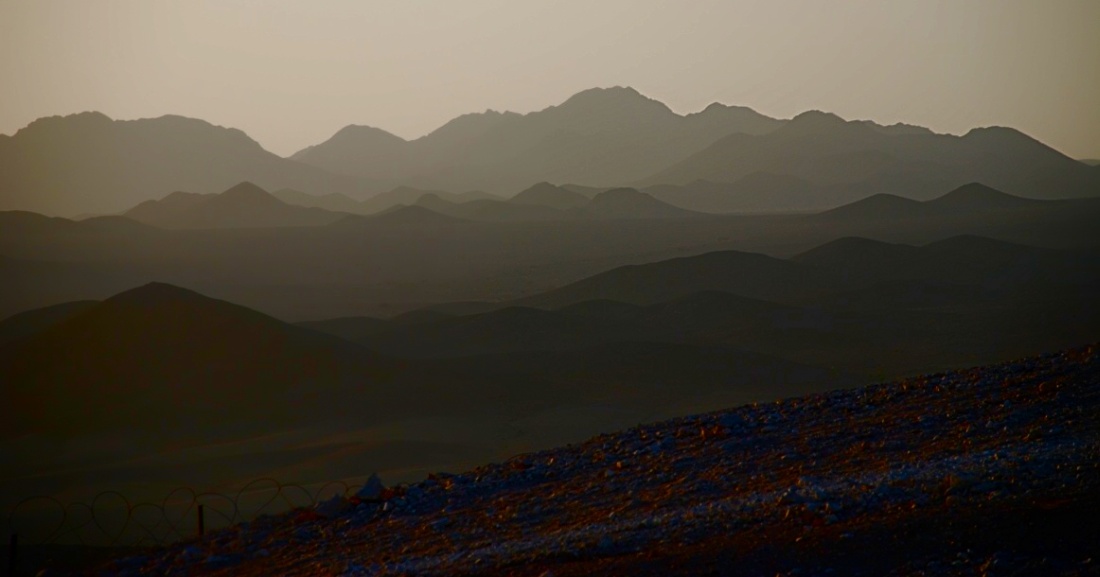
(963, 472)
(150, 356)
(160, 386)
(865, 306)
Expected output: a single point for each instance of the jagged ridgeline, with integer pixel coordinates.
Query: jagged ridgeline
(90, 164)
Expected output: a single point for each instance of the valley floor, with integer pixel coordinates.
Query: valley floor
(985, 471)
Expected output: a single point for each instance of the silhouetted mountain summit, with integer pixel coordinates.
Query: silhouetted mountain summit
(818, 122)
(249, 193)
(355, 143)
(156, 352)
(156, 294)
(546, 194)
(630, 203)
(744, 118)
(608, 106)
(976, 197)
(878, 206)
(245, 205)
(970, 199)
(358, 134)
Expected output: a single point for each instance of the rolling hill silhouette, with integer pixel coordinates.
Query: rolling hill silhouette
(410, 196)
(88, 163)
(627, 203)
(242, 206)
(740, 273)
(387, 270)
(969, 200)
(546, 194)
(356, 144)
(159, 379)
(159, 357)
(861, 304)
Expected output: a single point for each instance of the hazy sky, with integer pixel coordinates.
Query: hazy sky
(292, 73)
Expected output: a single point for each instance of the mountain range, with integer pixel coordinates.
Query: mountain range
(608, 137)
(616, 136)
(721, 159)
(161, 385)
(158, 367)
(839, 303)
(826, 150)
(244, 205)
(89, 163)
(407, 258)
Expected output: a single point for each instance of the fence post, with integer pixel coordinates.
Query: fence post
(202, 522)
(13, 549)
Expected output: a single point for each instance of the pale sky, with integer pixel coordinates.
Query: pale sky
(290, 74)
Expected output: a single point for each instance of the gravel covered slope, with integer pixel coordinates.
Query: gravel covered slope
(991, 471)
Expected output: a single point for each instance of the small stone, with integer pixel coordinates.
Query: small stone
(372, 489)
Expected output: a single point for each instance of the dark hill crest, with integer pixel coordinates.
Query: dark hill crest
(546, 194)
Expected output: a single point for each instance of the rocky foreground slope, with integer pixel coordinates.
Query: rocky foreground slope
(985, 471)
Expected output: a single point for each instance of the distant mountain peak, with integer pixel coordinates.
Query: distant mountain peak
(608, 92)
(976, 194)
(180, 196)
(247, 191)
(818, 122)
(999, 133)
(88, 119)
(362, 131)
(155, 294)
(546, 194)
(718, 107)
(539, 188)
(818, 117)
(976, 188)
(631, 203)
(613, 98)
(983, 131)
